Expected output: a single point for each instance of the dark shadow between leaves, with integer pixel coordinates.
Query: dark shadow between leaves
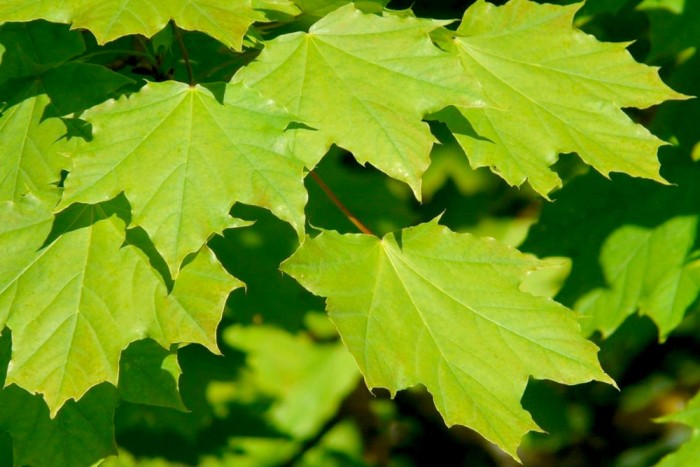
(79, 215)
(456, 122)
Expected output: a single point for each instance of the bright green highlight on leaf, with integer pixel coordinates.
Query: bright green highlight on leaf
(225, 20)
(364, 82)
(554, 90)
(183, 159)
(97, 296)
(443, 309)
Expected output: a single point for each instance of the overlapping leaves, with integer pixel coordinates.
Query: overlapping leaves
(364, 82)
(425, 305)
(554, 90)
(98, 295)
(183, 159)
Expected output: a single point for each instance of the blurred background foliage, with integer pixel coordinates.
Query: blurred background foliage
(302, 402)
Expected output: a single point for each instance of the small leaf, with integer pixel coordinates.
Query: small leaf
(297, 374)
(443, 309)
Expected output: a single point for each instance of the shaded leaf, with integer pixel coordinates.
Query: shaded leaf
(632, 243)
(81, 434)
(149, 375)
(26, 53)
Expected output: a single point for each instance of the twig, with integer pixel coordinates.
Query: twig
(185, 55)
(351, 217)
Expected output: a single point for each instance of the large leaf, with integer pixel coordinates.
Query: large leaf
(226, 20)
(183, 159)
(444, 309)
(364, 82)
(632, 244)
(96, 296)
(554, 90)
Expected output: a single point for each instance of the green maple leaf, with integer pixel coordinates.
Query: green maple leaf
(97, 296)
(225, 20)
(444, 309)
(554, 90)
(183, 159)
(364, 82)
(638, 253)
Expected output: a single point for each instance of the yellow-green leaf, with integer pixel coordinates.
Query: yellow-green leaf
(430, 306)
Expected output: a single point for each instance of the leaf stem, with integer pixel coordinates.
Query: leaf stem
(185, 55)
(351, 217)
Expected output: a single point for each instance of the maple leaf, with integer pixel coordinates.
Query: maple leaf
(225, 20)
(636, 256)
(97, 296)
(364, 82)
(444, 309)
(554, 90)
(186, 161)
